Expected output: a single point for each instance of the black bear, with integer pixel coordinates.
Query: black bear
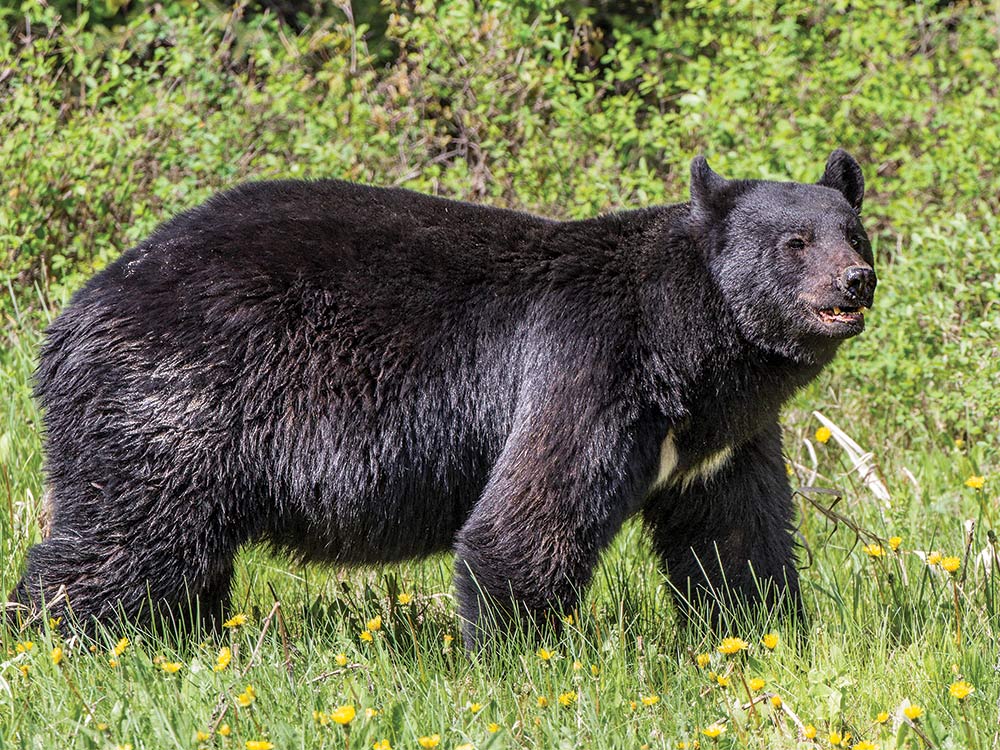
(359, 375)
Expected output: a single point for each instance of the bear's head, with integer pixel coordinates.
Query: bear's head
(792, 260)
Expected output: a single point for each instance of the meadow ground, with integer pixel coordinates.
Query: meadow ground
(902, 618)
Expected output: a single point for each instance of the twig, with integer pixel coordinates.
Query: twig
(334, 672)
(838, 518)
(920, 733)
(284, 636)
(222, 705)
(863, 462)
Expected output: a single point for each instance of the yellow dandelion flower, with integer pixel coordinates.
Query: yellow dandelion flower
(340, 660)
(883, 717)
(913, 712)
(404, 598)
(492, 727)
(120, 647)
(171, 667)
(757, 684)
(703, 660)
(366, 636)
(542, 701)
(465, 746)
(633, 705)
(382, 745)
(544, 654)
(102, 727)
(835, 739)
(235, 621)
(960, 690)
(222, 660)
(475, 707)
(789, 470)
(776, 701)
(951, 564)
(770, 641)
(54, 622)
(447, 638)
(24, 670)
(343, 715)
(934, 558)
(894, 542)
(375, 623)
(650, 700)
(595, 670)
(722, 681)
(259, 745)
(713, 730)
(247, 697)
(56, 655)
(577, 666)
(568, 698)
(112, 663)
(865, 745)
(321, 718)
(809, 732)
(731, 646)
(431, 741)
(975, 482)
(24, 647)
(874, 550)
(225, 730)
(93, 648)
(823, 434)
(568, 619)
(371, 713)
(201, 736)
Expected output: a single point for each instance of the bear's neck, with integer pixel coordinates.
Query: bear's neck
(708, 381)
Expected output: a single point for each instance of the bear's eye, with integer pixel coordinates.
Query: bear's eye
(796, 243)
(855, 241)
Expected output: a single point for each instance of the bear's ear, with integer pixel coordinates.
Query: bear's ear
(706, 185)
(843, 173)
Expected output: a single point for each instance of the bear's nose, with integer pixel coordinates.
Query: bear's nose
(859, 282)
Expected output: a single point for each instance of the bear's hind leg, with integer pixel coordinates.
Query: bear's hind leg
(142, 566)
(104, 582)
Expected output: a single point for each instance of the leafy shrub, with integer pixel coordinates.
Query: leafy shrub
(534, 105)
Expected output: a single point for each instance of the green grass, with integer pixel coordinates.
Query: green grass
(881, 631)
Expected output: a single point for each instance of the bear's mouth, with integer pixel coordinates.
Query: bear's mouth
(841, 322)
(843, 314)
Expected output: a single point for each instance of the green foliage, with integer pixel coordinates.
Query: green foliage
(520, 104)
(120, 116)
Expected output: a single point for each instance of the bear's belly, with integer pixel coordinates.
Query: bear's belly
(387, 513)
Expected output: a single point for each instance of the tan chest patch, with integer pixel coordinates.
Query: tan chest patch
(705, 469)
(668, 461)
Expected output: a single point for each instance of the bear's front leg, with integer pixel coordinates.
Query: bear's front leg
(726, 539)
(559, 492)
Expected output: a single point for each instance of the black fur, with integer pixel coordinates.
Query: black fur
(363, 375)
